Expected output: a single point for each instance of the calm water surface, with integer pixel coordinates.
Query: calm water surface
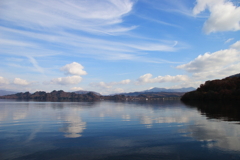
(114, 130)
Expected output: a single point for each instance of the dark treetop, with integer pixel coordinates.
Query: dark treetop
(225, 89)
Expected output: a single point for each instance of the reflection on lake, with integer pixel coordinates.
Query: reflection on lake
(118, 130)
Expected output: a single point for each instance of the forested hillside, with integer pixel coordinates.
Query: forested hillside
(225, 89)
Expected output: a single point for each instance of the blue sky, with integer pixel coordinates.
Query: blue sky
(113, 46)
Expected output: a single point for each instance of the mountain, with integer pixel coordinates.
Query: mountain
(235, 75)
(224, 89)
(90, 96)
(170, 90)
(3, 92)
(53, 96)
(85, 92)
(159, 90)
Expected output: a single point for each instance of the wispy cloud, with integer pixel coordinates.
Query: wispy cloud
(91, 15)
(35, 64)
(50, 30)
(157, 21)
(173, 6)
(229, 40)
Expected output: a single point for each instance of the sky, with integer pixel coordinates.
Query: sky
(115, 46)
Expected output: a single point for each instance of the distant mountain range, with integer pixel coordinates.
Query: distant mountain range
(3, 92)
(155, 89)
(145, 92)
(159, 90)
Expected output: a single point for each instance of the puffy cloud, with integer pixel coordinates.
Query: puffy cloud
(215, 65)
(224, 16)
(236, 45)
(108, 88)
(73, 69)
(212, 61)
(67, 80)
(118, 90)
(127, 81)
(111, 84)
(19, 81)
(147, 78)
(3, 80)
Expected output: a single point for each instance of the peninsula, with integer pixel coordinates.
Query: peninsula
(224, 89)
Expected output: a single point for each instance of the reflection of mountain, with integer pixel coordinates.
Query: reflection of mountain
(224, 111)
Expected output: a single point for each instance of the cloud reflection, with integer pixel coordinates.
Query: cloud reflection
(20, 114)
(217, 133)
(148, 121)
(73, 126)
(126, 117)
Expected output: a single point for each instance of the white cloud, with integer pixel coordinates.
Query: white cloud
(236, 45)
(215, 65)
(127, 81)
(73, 69)
(147, 78)
(155, 47)
(19, 81)
(229, 40)
(109, 88)
(66, 80)
(91, 15)
(101, 85)
(224, 16)
(118, 90)
(211, 61)
(35, 64)
(76, 88)
(3, 80)
(7, 42)
(110, 84)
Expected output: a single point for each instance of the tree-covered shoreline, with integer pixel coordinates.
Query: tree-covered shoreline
(225, 89)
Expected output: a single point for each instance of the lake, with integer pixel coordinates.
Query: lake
(117, 130)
